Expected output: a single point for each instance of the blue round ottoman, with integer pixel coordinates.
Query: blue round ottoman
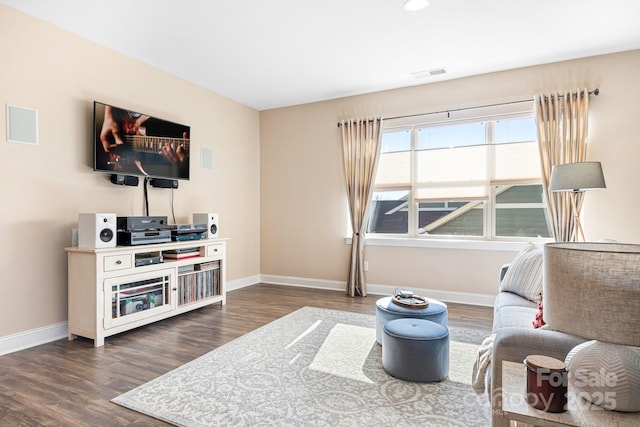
(415, 350)
(387, 310)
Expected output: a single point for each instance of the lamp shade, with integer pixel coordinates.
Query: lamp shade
(593, 290)
(577, 177)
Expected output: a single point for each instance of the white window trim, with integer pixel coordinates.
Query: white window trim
(458, 244)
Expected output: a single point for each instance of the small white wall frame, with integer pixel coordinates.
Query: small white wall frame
(22, 125)
(206, 158)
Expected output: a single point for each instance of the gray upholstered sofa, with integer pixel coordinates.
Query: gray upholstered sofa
(576, 276)
(515, 338)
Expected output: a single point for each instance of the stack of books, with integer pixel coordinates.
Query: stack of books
(181, 253)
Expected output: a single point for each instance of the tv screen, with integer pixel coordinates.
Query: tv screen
(131, 143)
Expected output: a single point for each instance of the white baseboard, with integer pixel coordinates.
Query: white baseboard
(332, 285)
(31, 338)
(469, 298)
(373, 289)
(46, 334)
(242, 283)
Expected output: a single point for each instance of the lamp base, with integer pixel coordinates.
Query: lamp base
(607, 375)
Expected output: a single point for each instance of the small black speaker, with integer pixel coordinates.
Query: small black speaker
(131, 180)
(164, 183)
(117, 179)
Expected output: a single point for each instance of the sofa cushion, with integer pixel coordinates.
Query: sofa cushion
(509, 298)
(524, 276)
(514, 316)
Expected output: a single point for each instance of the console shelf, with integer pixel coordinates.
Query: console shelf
(113, 290)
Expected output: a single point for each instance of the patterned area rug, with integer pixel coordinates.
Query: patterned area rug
(313, 367)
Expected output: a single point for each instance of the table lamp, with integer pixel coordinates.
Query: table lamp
(576, 178)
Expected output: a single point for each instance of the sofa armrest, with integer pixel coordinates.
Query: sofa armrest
(503, 271)
(514, 345)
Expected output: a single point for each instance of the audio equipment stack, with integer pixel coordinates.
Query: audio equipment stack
(100, 230)
(148, 259)
(142, 230)
(184, 232)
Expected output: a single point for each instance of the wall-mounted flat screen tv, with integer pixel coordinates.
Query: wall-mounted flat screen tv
(131, 143)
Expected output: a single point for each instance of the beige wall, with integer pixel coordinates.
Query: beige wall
(286, 162)
(303, 199)
(45, 187)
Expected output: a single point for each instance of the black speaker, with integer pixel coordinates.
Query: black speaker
(117, 179)
(164, 183)
(131, 180)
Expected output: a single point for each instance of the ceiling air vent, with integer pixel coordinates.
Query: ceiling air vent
(437, 71)
(428, 73)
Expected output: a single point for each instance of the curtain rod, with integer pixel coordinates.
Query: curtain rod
(594, 92)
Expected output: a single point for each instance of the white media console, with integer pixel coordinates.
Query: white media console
(109, 294)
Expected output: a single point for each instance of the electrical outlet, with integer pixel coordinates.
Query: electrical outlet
(366, 266)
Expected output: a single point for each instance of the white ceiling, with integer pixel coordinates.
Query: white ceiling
(274, 53)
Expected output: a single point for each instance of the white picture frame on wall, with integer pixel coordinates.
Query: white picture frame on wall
(22, 125)
(206, 158)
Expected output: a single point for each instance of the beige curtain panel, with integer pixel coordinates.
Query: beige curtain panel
(562, 121)
(361, 140)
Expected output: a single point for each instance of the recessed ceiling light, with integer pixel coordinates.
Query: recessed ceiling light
(413, 5)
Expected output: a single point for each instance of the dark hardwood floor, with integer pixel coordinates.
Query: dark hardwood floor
(71, 383)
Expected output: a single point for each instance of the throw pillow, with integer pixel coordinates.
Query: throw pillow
(524, 275)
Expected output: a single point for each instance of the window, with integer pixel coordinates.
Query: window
(461, 177)
(389, 212)
(520, 211)
(459, 218)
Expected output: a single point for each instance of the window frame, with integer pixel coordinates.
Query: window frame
(412, 125)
